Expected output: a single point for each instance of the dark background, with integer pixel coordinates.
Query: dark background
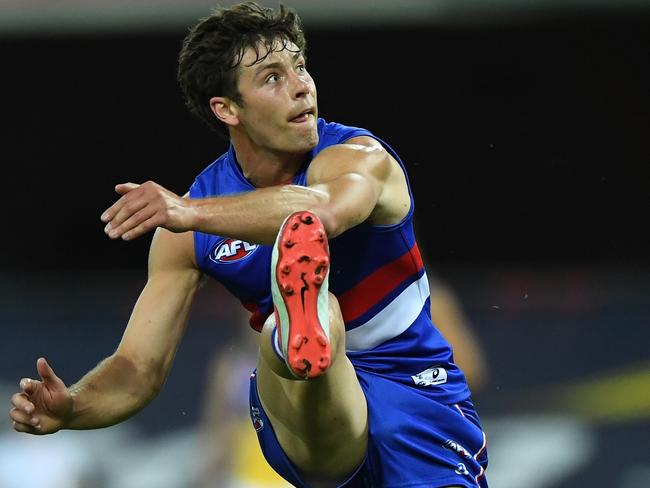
(524, 143)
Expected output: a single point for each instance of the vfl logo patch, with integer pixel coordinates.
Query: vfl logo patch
(231, 250)
(257, 419)
(430, 377)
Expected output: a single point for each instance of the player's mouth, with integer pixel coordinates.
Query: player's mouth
(304, 116)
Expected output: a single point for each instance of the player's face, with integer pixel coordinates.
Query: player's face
(279, 111)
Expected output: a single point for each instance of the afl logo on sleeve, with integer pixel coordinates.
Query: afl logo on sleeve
(229, 251)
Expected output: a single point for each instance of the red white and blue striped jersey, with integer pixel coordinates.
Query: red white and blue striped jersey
(376, 273)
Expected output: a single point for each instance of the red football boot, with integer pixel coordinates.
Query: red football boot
(299, 283)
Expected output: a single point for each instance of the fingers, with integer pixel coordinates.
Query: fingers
(21, 402)
(22, 419)
(23, 414)
(124, 188)
(129, 203)
(144, 207)
(29, 385)
(29, 429)
(139, 224)
(130, 214)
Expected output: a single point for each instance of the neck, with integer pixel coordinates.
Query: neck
(263, 167)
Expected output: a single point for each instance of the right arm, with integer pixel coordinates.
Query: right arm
(347, 184)
(126, 381)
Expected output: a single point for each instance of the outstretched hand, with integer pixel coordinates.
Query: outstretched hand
(144, 207)
(42, 407)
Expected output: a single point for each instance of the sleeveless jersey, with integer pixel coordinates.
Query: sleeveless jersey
(376, 273)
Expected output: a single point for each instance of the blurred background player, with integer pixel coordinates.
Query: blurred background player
(450, 317)
(229, 454)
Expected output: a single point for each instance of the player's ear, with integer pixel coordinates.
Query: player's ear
(225, 110)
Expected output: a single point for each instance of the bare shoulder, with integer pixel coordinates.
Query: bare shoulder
(361, 155)
(394, 202)
(366, 141)
(364, 160)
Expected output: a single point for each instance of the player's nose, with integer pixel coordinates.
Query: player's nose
(301, 86)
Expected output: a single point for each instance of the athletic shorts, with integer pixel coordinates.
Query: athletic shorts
(413, 441)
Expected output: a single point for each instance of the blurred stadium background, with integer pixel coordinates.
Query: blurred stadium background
(525, 127)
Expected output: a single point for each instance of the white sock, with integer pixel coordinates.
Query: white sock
(276, 344)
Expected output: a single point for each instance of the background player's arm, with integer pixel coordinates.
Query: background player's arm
(450, 319)
(126, 381)
(347, 183)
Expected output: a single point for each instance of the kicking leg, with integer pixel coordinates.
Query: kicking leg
(311, 394)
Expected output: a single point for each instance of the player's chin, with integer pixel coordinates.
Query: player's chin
(303, 137)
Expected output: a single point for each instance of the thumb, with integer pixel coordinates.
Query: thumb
(47, 373)
(124, 188)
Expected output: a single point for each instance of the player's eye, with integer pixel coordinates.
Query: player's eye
(272, 78)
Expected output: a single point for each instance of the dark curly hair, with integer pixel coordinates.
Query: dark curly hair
(213, 50)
